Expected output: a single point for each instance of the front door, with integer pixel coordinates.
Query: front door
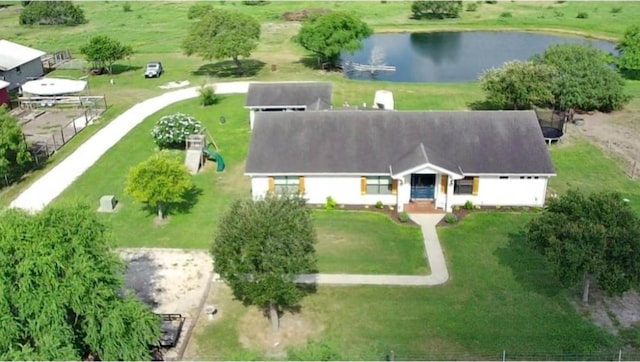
(423, 186)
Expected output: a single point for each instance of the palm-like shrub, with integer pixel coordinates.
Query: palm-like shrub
(173, 130)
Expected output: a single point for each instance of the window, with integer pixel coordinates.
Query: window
(504, 177)
(286, 184)
(379, 185)
(18, 69)
(463, 186)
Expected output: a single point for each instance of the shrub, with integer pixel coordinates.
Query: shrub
(468, 205)
(450, 218)
(126, 7)
(506, 14)
(582, 15)
(558, 13)
(173, 130)
(403, 217)
(491, 2)
(330, 204)
(456, 208)
(379, 205)
(52, 13)
(255, 2)
(472, 7)
(616, 10)
(207, 95)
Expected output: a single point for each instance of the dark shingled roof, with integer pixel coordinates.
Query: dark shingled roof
(315, 96)
(373, 142)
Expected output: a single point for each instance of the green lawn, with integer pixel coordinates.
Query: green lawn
(501, 296)
(367, 243)
(584, 166)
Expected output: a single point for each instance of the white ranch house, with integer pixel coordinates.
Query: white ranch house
(362, 157)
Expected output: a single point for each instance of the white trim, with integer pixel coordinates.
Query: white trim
(511, 174)
(428, 165)
(315, 174)
(276, 107)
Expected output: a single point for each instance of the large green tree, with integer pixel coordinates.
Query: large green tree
(436, 9)
(51, 13)
(328, 35)
(629, 47)
(590, 237)
(14, 151)
(160, 181)
(519, 85)
(103, 51)
(219, 34)
(61, 291)
(585, 80)
(261, 247)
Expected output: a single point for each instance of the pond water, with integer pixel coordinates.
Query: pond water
(452, 56)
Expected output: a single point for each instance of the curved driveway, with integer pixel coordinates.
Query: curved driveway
(51, 185)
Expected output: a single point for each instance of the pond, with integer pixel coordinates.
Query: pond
(452, 56)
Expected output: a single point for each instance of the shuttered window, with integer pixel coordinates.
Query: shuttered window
(379, 185)
(286, 184)
(476, 185)
(463, 186)
(301, 184)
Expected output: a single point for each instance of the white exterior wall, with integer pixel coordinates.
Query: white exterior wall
(32, 69)
(506, 192)
(343, 189)
(252, 116)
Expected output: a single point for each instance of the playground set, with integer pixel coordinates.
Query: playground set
(197, 149)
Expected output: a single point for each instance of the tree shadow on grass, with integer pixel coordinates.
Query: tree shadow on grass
(191, 197)
(484, 105)
(529, 268)
(228, 69)
(123, 68)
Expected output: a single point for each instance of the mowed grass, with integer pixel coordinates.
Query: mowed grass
(585, 167)
(501, 296)
(194, 226)
(367, 243)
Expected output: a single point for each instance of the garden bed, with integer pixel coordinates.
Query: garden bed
(386, 210)
(460, 212)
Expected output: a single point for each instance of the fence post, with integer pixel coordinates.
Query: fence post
(55, 145)
(620, 355)
(62, 135)
(504, 355)
(392, 355)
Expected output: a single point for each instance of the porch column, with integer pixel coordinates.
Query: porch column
(448, 201)
(399, 203)
(252, 117)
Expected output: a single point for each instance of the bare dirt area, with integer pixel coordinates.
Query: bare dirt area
(170, 281)
(616, 133)
(612, 313)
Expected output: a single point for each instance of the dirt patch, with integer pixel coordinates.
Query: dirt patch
(612, 313)
(255, 332)
(169, 281)
(616, 133)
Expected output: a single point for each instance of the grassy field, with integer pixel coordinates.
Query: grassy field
(584, 166)
(501, 296)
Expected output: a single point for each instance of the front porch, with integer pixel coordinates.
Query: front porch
(422, 207)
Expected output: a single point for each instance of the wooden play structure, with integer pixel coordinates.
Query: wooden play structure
(197, 149)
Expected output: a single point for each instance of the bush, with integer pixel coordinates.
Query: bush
(173, 130)
(330, 204)
(126, 7)
(558, 13)
(450, 218)
(52, 13)
(456, 208)
(616, 10)
(468, 205)
(506, 14)
(207, 95)
(379, 205)
(403, 217)
(472, 7)
(255, 2)
(582, 15)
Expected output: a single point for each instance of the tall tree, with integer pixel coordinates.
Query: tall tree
(14, 151)
(629, 47)
(103, 51)
(51, 13)
(160, 181)
(61, 291)
(328, 35)
(585, 238)
(436, 9)
(585, 79)
(519, 85)
(219, 34)
(260, 248)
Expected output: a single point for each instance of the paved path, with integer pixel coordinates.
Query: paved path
(439, 273)
(51, 185)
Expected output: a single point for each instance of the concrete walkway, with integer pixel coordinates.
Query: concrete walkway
(51, 184)
(435, 256)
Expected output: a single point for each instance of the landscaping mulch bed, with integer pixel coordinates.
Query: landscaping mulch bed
(461, 212)
(392, 213)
